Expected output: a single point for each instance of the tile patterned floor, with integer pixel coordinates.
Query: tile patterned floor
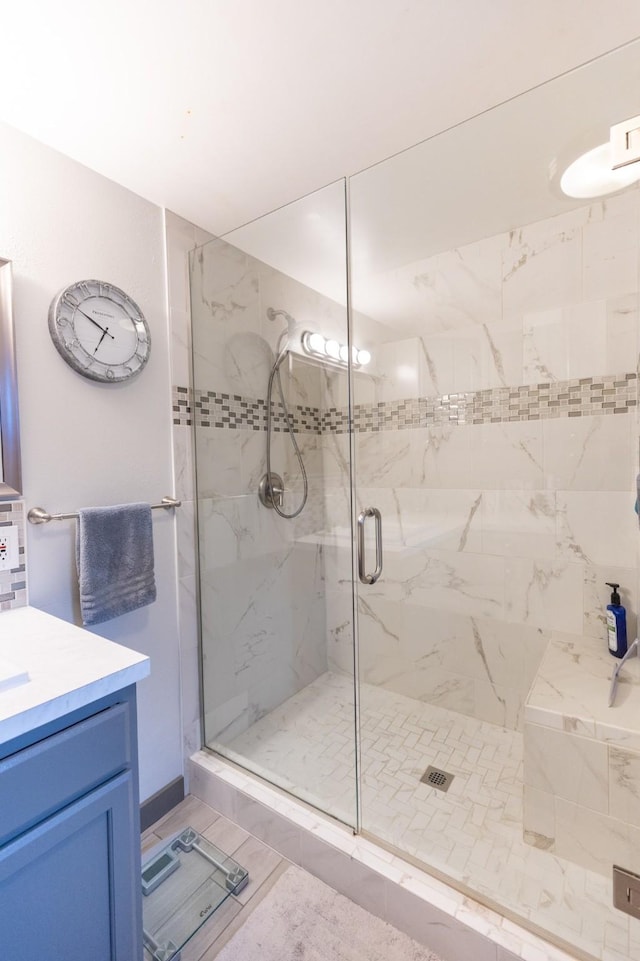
(265, 867)
(472, 834)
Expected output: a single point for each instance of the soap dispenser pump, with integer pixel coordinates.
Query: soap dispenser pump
(616, 623)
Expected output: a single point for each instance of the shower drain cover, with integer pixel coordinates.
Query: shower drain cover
(441, 780)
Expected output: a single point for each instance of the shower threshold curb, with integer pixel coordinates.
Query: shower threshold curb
(438, 916)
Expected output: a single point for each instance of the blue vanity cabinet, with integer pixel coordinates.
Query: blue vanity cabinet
(70, 838)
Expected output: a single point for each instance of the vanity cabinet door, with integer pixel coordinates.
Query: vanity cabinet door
(69, 889)
(50, 774)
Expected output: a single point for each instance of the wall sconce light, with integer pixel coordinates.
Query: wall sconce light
(330, 350)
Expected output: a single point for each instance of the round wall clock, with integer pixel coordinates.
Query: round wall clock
(100, 331)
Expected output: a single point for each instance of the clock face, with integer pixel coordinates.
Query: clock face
(100, 331)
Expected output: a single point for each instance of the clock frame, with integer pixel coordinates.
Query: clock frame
(100, 331)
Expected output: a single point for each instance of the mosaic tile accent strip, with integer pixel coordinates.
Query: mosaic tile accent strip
(181, 405)
(13, 583)
(584, 397)
(212, 409)
(614, 394)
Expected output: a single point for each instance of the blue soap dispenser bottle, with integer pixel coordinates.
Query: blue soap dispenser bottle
(616, 623)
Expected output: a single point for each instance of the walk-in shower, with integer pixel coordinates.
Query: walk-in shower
(488, 416)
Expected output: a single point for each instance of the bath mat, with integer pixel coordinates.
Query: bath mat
(303, 919)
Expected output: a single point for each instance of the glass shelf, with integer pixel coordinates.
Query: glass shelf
(183, 884)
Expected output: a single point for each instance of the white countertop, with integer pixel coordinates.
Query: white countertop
(571, 691)
(67, 668)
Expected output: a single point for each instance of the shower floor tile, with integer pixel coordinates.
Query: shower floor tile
(472, 833)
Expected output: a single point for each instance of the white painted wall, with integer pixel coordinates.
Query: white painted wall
(86, 444)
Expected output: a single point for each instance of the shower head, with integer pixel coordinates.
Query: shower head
(282, 347)
(272, 314)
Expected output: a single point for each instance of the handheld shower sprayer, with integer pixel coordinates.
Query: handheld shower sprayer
(271, 487)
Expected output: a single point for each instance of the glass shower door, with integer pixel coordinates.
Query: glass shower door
(271, 403)
(495, 430)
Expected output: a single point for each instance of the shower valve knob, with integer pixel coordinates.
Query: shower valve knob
(271, 490)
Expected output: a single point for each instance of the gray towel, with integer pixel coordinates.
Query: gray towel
(114, 556)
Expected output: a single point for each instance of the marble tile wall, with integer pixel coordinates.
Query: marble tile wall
(181, 238)
(262, 578)
(498, 437)
(258, 646)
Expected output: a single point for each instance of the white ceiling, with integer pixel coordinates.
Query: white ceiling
(222, 110)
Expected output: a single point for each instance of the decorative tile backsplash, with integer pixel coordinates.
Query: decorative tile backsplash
(570, 398)
(13, 583)
(213, 409)
(587, 396)
(581, 397)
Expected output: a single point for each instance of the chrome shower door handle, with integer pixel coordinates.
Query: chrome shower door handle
(362, 517)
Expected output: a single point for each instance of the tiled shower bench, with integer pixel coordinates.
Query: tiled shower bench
(582, 757)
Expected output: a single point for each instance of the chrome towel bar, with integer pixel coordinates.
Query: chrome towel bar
(38, 515)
